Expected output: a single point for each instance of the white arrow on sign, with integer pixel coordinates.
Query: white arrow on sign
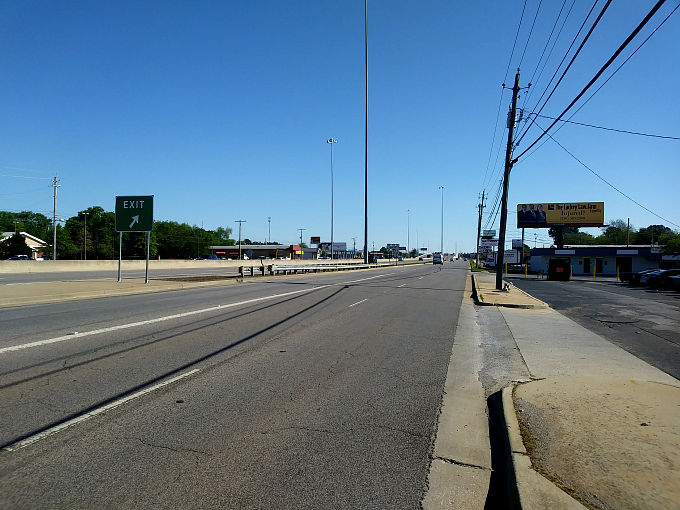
(135, 219)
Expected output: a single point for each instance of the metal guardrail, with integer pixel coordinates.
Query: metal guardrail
(274, 269)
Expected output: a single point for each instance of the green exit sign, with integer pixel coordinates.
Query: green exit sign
(134, 213)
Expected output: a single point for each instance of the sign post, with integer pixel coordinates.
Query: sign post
(134, 214)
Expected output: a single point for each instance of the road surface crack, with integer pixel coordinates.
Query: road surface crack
(164, 447)
(459, 463)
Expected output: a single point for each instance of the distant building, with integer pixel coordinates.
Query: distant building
(339, 250)
(36, 245)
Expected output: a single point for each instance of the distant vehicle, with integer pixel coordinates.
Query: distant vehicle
(420, 258)
(635, 277)
(437, 258)
(19, 257)
(400, 259)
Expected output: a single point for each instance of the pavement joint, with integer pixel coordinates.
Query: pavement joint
(459, 463)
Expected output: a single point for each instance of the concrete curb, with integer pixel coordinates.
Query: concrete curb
(527, 489)
(478, 297)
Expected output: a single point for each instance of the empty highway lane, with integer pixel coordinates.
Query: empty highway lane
(303, 392)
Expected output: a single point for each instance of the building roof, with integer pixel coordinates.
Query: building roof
(37, 240)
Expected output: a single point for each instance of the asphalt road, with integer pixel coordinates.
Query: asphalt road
(305, 392)
(644, 322)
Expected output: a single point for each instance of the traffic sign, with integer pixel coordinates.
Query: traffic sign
(134, 213)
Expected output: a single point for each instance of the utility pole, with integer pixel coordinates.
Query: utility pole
(240, 222)
(269, 219)
(301, 230)
(355, 247)
(628, 233)
(55, 183)
(479, 224)
(506, 182)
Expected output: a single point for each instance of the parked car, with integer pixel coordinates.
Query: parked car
(671, 283)
(635, 277)
(668, 280)
(19, 257)
(655, 278)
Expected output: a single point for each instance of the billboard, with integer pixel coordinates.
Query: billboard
(488, 242)
(315, 240)
(517, 244)
(488, 233)
(573, 214)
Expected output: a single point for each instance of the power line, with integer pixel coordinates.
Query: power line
(610, 129)
(519, 25)
(599, 73)
(610, 77)
(606, 181)
(528, 95)
(530, 32)
(566, 69)
(26, 177)
(559, 66)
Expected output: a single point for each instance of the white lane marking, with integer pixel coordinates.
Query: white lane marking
(73, 421)
(151, 321)
(398, 286)
(421, 277)
(357, 303)
(370, 278)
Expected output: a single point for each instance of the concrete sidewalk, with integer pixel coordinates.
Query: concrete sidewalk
(596, 427)
(485, 293)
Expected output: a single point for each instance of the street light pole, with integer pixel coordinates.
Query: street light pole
(269, 219)
(442, 235)
(331, 141)
(240, 222)
(85, 241)
(408, 230)
(366, 135)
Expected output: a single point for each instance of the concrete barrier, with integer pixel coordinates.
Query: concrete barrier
(58, 266)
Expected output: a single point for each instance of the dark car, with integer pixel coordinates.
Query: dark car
(668, 279)
(671, 283)
(656, 278)
(19, 257)
(635, 277)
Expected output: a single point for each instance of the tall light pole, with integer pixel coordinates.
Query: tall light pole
(84, 213)
(240, 222)
(301, 230)
(269, 219)
(442, 243)
(331, 141)
(55, 184)
(366, 135)
(408, 230)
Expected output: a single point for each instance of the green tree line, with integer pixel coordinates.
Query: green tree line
(169, 239)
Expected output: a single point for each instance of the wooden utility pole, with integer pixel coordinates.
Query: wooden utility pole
(479, 225)
(506, 181)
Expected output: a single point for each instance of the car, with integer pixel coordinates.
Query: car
(400, 259)
(635, 277)
(655, 278)
(671, 283)
(420, 259)
(437, 258)
(19, 257)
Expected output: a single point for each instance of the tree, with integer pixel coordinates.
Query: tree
(617, 232)
(651, 233)
(670, 243)
(14, 245)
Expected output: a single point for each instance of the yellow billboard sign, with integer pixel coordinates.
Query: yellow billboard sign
(572, 214)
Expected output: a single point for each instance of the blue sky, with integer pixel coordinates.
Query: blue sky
(222, 111)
